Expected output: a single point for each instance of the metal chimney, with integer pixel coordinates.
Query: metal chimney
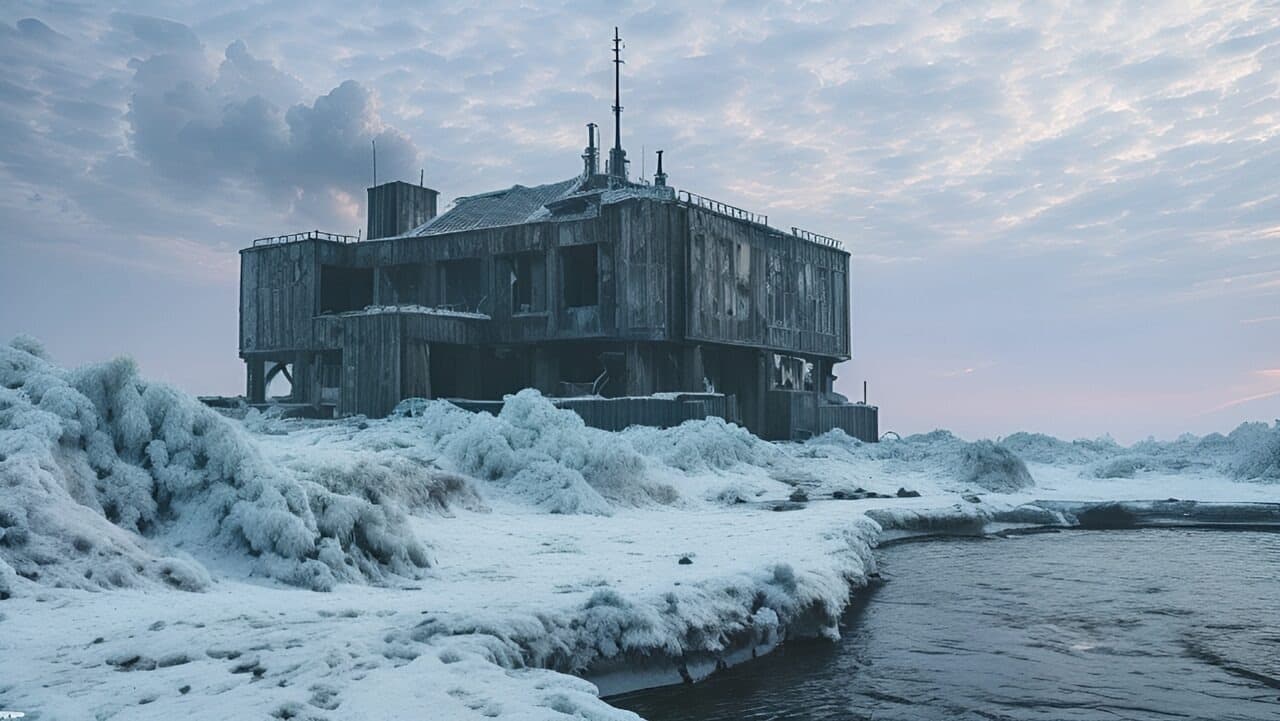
(591, 156)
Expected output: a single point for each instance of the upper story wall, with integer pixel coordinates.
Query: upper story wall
(640, 269)
(595, 277)
(278, 296)
(752, 285)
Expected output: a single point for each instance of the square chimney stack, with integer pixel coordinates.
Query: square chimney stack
(396, 208)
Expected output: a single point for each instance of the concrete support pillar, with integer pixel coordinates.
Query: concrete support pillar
(255, 381)
(546, 371)
(693, 369)
(639, 370)
(304, 390)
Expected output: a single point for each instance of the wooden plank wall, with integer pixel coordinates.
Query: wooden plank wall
(751, 285)
(398, 207)
(860, 421)
(278, 287)
(648, 235)
(370, 364)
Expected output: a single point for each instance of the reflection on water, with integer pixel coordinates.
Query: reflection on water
(1155, 624)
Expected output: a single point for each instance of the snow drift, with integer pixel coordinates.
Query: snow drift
(103, 473)
(538, 454)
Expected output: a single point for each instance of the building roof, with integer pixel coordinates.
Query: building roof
(517, 204)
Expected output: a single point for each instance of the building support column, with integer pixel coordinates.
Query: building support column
(546, 371)
(255, 381)
(694, 379)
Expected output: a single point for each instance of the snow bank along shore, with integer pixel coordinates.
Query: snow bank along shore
(159, 559)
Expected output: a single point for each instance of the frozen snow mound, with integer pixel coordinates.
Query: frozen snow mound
(540, 455)
(1257, 452)
(985, 464)
(103, 474)
(1041, 448)
(994, 467)
(1249, 453)
(702, 445)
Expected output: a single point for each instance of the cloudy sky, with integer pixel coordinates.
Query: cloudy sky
(1064, 217)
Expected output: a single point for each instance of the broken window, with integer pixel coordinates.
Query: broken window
(461, 285)
(345, 289)
(581, 276)
(791, 373)
(527, 278)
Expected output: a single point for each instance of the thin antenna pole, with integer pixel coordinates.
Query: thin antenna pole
(617, 90)
(617, 156)
(422, 174)
(375, 162)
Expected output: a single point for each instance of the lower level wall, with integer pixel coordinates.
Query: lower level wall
(797, 415)
(857, 419)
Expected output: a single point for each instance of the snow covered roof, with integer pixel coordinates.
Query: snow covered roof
(517, 204)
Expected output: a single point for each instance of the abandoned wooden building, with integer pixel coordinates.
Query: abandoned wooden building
(590, 288)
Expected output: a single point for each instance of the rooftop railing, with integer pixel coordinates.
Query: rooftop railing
(309, 235)
(716, 206)
(816, 238)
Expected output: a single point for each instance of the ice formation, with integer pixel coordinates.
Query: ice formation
(109, 479)
(649, 555)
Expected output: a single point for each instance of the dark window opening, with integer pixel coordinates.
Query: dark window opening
(591, 370)
(581, 276)
(527, 277)
(462, 285)
(345, 289)
(406, 284)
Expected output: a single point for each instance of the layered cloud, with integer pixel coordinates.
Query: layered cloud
(1084, 198)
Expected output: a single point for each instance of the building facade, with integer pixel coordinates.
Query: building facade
(595, 286)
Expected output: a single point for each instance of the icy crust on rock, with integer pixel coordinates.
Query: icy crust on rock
(710, 619)
(964, 518)
(102, 472)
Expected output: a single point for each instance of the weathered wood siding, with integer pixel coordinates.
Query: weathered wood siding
(370, 364)
(398, 207)
(278, 291)
(860, 421)
(649, 254)
(752, 285)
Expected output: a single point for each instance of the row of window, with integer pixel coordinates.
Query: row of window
(520, 283)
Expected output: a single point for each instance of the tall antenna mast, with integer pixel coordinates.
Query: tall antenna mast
(617, 156)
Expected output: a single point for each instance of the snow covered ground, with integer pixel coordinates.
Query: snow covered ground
(159, 560)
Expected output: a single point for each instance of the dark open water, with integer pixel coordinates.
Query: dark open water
(1152, 624)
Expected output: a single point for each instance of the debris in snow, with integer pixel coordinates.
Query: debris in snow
(904, 493)
(798, 496)
(685, 561)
